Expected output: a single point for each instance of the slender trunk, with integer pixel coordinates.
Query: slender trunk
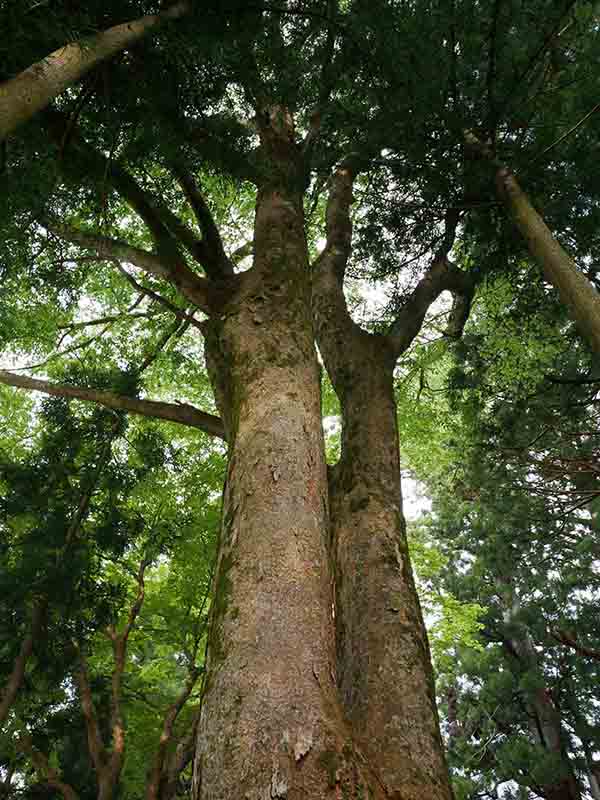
(34, 88)
(574, 289)
(383, 659)
(270, 724)
(544, 718)
(15, 679)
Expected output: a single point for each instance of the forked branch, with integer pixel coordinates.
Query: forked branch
(211, 250)
(191, 285)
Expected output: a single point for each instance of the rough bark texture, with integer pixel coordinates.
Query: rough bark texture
(270, 724)
(384, 670)
(383, 660)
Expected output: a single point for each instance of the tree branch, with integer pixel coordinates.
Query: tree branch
(214, 259)
(17, 674)
(192, 286)
(43, 768)
(441, 276)
(119, 643)
(574, 289)
(181, 413)
(159, 774)
(571, 641)
(145, 291)
(94, 735)
(31, 90)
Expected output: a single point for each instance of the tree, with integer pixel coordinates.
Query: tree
(514, 514)
(119, 653)
(288, 111)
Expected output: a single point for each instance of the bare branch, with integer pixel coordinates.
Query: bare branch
(181, 413)
(214, 260)
(71, 326)
(145, 291)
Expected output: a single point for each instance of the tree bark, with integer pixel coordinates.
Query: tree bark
(271, 725)
(34, 88)
(384, 671)
(182, 413)
(574, 289)
(383, 661)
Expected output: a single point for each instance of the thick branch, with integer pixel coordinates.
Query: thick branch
(31, 90)
(441, 276)
(574, 289)
(241, 252)
(94, 735)
(330, 267)
(214, 260)
(45, 771)
(181, 413)
(192, 286)
(15, 679)
(571, 641)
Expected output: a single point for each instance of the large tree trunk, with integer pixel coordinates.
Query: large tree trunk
(384, 671)
(270, 724)
(384, 666)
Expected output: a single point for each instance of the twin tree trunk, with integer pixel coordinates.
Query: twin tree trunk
(283, 715)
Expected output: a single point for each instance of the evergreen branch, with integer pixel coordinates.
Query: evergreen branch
(565, 135)
(181, 413)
